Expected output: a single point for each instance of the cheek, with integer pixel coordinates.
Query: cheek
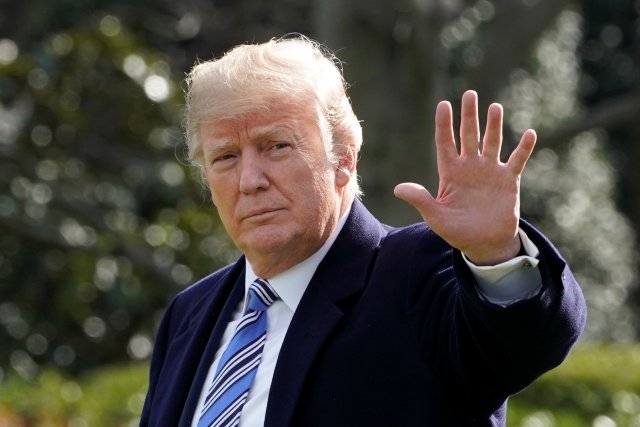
(319, 196)
(212, 193)
(219, 187)
(222, 200)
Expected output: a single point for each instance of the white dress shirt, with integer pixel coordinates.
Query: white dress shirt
(502, 284)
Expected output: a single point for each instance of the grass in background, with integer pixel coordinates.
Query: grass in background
(111, 397)
(597, 386)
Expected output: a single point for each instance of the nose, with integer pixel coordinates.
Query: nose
(252, 174)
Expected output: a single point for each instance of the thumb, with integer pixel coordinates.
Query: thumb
(417, 196)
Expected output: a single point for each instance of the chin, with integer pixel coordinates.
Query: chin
(269, 241)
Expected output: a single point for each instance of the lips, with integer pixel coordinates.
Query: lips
(258, 213)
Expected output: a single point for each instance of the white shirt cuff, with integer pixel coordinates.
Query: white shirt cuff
(511, 281)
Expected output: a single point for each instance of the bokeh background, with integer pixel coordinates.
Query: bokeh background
(102, 221)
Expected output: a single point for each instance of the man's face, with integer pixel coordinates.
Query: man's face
(276, 193)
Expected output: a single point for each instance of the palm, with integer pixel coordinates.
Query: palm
(476, 209)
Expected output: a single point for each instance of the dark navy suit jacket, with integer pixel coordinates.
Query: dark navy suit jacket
(390, 332)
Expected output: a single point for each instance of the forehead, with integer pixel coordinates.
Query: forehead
(279, 118)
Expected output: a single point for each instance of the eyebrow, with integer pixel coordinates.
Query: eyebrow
(217, 148)
(267, 131)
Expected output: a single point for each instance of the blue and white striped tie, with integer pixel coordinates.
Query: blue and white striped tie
(237, 367)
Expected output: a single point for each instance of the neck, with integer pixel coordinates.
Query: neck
(277, 262)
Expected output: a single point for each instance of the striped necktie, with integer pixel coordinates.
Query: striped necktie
(237, 367)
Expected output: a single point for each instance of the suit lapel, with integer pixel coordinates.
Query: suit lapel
(226, 300)
(342, 273)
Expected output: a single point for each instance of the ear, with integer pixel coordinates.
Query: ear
(346, 167)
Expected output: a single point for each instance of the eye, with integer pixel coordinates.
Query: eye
(280, 146)
(223, 158)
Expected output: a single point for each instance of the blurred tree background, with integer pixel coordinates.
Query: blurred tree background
(102, 221)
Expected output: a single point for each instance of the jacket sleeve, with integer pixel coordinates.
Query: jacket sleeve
(488, 351)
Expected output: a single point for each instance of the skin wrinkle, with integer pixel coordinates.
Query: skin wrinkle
(272, 132)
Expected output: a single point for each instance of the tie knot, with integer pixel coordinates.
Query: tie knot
(261, 295)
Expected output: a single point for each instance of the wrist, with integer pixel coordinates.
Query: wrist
(487, 255)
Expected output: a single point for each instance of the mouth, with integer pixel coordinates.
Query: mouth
(259, 214)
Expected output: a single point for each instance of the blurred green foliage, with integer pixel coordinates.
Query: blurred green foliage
(100, 221)
(111, 396)
(596, 386)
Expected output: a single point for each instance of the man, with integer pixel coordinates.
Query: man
(351, 322)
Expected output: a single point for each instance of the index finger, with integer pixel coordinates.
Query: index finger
(521, 154)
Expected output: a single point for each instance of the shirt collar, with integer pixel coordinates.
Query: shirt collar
(291, 284)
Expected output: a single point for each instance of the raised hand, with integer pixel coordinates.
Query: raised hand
(477, 208)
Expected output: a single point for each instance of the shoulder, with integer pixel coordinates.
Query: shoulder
(209, 283)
